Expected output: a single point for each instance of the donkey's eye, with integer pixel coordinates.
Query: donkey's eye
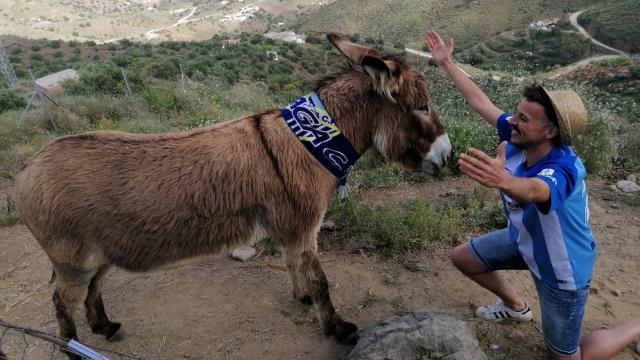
(424, 110)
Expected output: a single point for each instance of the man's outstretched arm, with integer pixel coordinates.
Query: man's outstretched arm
(477, 99)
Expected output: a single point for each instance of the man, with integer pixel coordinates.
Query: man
(541, 183)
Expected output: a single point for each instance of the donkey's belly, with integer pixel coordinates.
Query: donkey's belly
(174, 250)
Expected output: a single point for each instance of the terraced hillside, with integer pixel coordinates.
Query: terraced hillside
(406, 20)
(530, 50)
(610, 23)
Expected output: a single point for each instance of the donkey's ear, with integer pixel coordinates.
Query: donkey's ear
(385, 75)
(353, 52)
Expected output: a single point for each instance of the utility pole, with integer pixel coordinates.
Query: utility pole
(7, 69)
(126, 82)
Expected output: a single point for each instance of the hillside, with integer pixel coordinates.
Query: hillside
(614, 23)
(406, 20)
(143, 19)
(530, 50)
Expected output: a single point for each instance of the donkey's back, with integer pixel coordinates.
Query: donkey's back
(140, 201)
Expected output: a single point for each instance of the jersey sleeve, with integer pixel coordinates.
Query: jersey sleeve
(504, 128)
(562, 180)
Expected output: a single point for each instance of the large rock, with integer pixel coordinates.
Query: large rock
(627, 186)
(405, 337)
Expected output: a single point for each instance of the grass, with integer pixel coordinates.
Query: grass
(414, 224)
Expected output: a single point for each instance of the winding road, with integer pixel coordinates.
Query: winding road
(573, 18)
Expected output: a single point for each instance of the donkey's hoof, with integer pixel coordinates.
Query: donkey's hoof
(346, 333)
(116, 333)
(306, 300)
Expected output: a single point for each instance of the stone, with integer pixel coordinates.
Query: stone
(616, 292)
(627, 186)
(364, 241)
(407, 336)
(614, 187)
(329, 225)
(632, 178)
(244, 253)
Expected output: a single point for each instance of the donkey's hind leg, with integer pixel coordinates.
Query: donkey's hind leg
(96, 315)
(315, 282)
(71, 289)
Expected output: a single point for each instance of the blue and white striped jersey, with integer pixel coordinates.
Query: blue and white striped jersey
(554, 238)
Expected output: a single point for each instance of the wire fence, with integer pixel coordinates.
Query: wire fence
(19, 342)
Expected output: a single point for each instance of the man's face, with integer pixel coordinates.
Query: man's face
(531, 127)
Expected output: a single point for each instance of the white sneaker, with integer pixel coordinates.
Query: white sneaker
(498, 311)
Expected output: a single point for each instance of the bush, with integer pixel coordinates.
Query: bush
(103, 78)
(9, 100)
(164, 100)
(164, 69)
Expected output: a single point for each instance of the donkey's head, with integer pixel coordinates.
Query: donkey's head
(392, 103)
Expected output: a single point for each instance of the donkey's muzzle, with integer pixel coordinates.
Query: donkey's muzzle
(438, 155)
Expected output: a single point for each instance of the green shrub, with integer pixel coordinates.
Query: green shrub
(162, 100)
(399, 229)
(103, 78)
(9, 100)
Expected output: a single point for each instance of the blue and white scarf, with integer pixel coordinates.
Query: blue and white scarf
(318, 132)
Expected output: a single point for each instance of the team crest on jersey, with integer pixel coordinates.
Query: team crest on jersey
(548, 173)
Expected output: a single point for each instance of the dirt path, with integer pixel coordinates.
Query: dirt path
(218, 308)
(573, 18)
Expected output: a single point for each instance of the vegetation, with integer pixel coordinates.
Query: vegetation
(608, 21)
(528, 51)
(10, 100)
(407, 20)
(227, 82)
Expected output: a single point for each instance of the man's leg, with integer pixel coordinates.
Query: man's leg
(479, 259)
(468, 264)
(562, 313)
(604, 344)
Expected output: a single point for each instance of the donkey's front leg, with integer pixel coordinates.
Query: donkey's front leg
(315, 282)
(300, 292)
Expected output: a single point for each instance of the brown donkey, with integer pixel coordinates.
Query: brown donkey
(105, 198)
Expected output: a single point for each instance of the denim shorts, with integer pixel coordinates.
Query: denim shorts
(561, 310)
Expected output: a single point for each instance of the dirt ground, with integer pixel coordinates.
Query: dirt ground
(218, 308)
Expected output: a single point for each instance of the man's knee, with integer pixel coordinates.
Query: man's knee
(463, 260)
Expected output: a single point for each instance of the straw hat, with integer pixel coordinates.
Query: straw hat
(572, 116)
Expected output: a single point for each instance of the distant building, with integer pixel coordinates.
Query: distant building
(52, 84)
(272, 55)
(546, 25)
(288, 36)
(228, 42)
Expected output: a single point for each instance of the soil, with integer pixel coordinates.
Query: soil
(218, 308)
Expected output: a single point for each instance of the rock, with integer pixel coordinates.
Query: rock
(407, 336)
(329, 225)
(614, 187)
(627, 186)
(632, 178)
(616, 292)
(244, 253)
(364, 241)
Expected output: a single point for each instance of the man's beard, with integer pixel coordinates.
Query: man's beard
(527, 145)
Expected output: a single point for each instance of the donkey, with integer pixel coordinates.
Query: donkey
(106, 198)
